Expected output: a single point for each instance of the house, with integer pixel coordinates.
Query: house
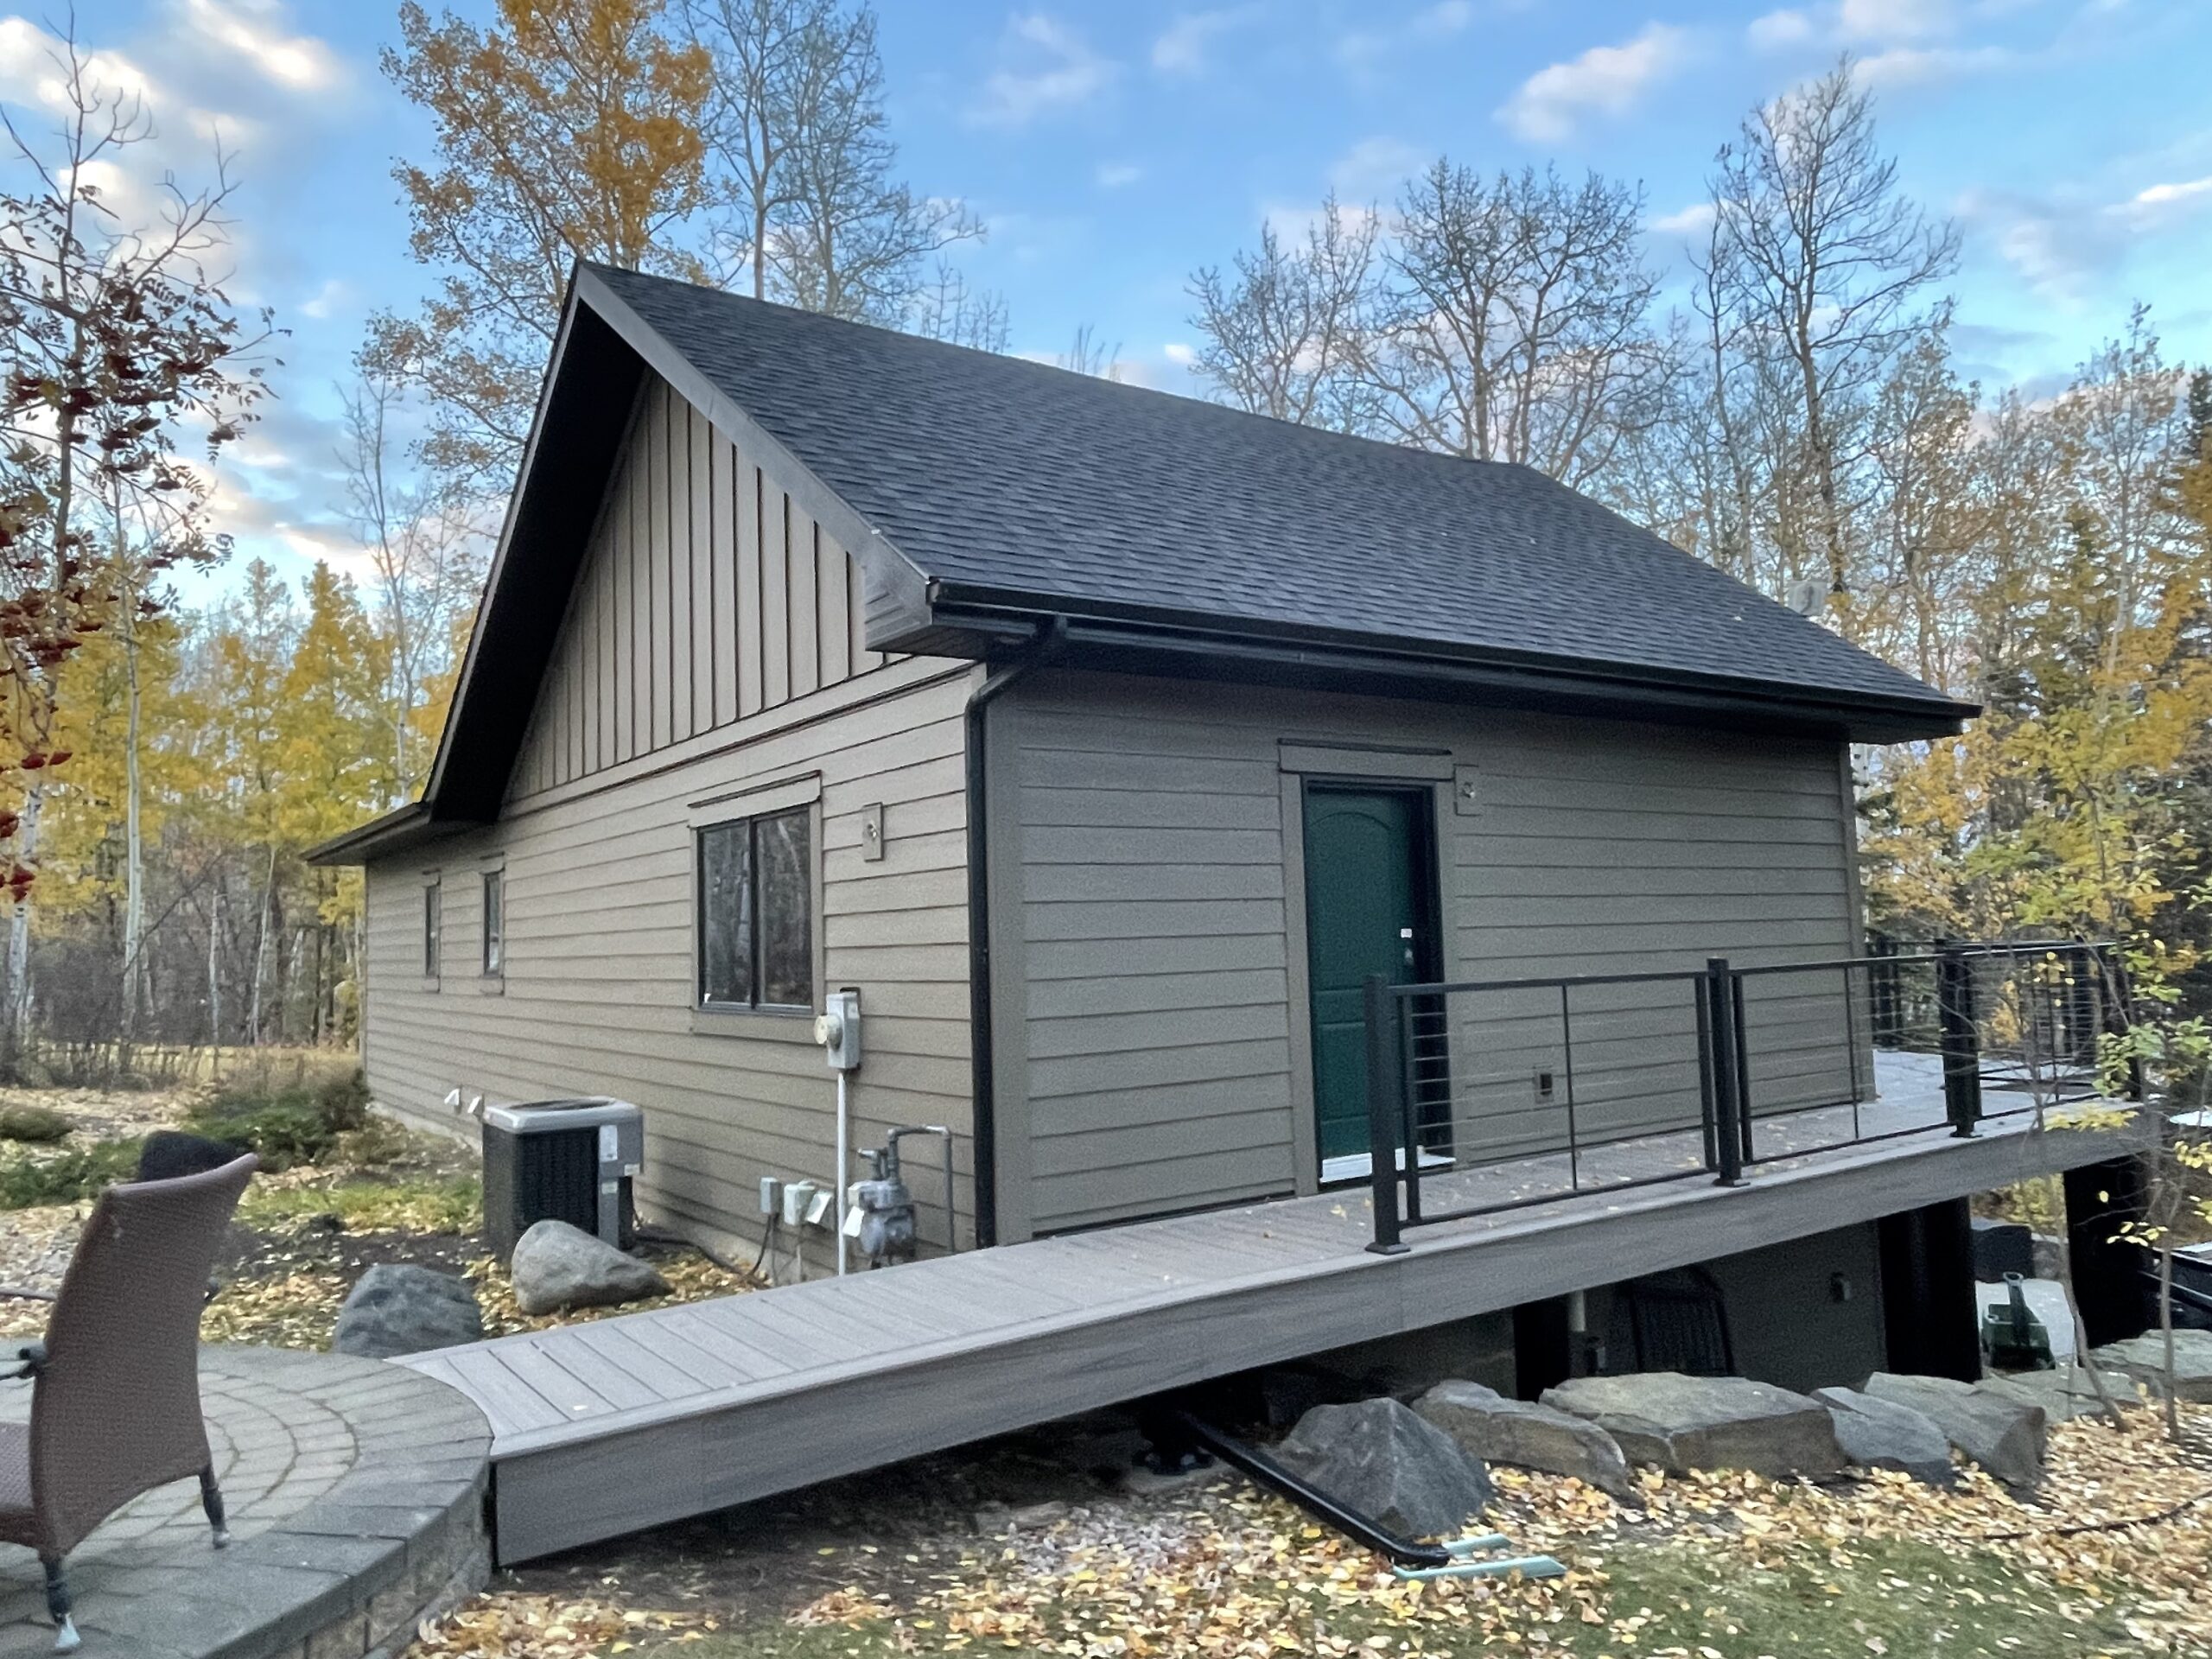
(1149, 770)
(1105, 741)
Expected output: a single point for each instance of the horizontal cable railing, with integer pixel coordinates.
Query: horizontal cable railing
(1492, 1094)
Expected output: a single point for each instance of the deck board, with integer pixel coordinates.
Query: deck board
(604, 1427)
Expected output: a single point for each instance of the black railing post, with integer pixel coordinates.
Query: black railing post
(1722, 1057)
(1882, 989)
(1962, 1038)
(1385, 1113)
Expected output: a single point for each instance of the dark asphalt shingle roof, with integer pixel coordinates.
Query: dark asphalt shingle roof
(996, 473)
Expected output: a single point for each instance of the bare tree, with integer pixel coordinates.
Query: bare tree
(1821, 266)
(1285, 330)
(423, 542)
(795, 120)
(1088, 354)
(1518, 327)
(946, 309)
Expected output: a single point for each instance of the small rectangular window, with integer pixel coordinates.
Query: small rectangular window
(430, 923)
(756, 912)
(495, 929)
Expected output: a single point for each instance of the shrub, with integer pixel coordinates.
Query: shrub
(298, 1123)
(35, 1123)
(67, 1177)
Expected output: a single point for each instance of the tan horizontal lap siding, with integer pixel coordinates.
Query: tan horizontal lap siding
(711, 645)
(597, 995)
(1155, 1026)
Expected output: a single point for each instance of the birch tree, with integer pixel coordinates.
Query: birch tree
(1822, 272)
(117, 340)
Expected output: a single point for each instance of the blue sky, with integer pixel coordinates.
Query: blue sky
(1112, 148)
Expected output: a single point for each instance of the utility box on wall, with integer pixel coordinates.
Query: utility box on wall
(571, 1160)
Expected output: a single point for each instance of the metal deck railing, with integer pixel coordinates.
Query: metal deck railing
(1712, 1071)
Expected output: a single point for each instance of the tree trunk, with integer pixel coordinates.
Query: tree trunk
(133, 883)
(260, 952)
(15, 1018)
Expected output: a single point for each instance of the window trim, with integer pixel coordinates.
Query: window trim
(434, 929)
(778, 1021)
(491, 946)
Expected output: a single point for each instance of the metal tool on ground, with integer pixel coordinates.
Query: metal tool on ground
(1457, 1558)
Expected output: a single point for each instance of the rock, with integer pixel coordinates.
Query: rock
(399, 1308)
(34, 1074)
(2003, 1434)
(39, 1124)
(1496, 1429)
(1378, 1457)
(1682, 1423)
(557, 1266)
(2064, 1393)
(1883, 1434)
(168, 1154)
(2144, 1358)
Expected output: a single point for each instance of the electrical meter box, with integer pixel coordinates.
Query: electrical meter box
(571, 1160)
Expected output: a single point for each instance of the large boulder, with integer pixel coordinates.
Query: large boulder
(1496, 1429)
(1883, 1434)
(2065, 1392)
(557, 1266)
(398, 1308)
(1682, 1423)
(1377, 1457)
(2004, 1434)
(2144, 1358)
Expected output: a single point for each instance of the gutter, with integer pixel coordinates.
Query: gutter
(1220, 643)
(1046, 644)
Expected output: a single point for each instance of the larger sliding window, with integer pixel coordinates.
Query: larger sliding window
(756, 914)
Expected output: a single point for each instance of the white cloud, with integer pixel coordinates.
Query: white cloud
(1115, 176)
(1693, 220)
(1362, 50)
(1605, 81)
(325, 300)
(1374, 169)
(249, 30)
(2066, 243)
(1912, 66)
(1180, 353)
(1182, 46)
(1892, 20)
(1044, 67)
(1778, 30)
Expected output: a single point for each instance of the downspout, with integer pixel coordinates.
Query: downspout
(1050, 638)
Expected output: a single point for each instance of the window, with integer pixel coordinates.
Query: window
(495, 929)
(756, 914)
(430, 931)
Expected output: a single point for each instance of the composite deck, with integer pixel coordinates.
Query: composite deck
(606, 1427)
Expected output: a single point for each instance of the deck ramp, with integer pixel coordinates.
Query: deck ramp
(608, 1426)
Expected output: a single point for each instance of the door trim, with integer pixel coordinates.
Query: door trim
(1304, 1127)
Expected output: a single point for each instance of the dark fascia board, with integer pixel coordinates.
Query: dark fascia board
(895, 591)
(584, 407)
(1195, 645)
(395, 831)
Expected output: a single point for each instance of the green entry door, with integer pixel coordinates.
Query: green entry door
(1367, 911)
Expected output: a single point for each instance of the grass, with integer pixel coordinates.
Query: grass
(429, 1204)
(1877, 1597)
(299, 1122)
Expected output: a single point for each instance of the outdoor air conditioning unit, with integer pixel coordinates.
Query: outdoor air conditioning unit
(569, 1160)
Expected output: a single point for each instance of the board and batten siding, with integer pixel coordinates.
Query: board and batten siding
(669, 706)
(707, 596)
(1149, 979)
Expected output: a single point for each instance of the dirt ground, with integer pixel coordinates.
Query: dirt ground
(303, 1236)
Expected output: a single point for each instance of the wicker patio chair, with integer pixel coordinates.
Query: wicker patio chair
(115, 1386)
